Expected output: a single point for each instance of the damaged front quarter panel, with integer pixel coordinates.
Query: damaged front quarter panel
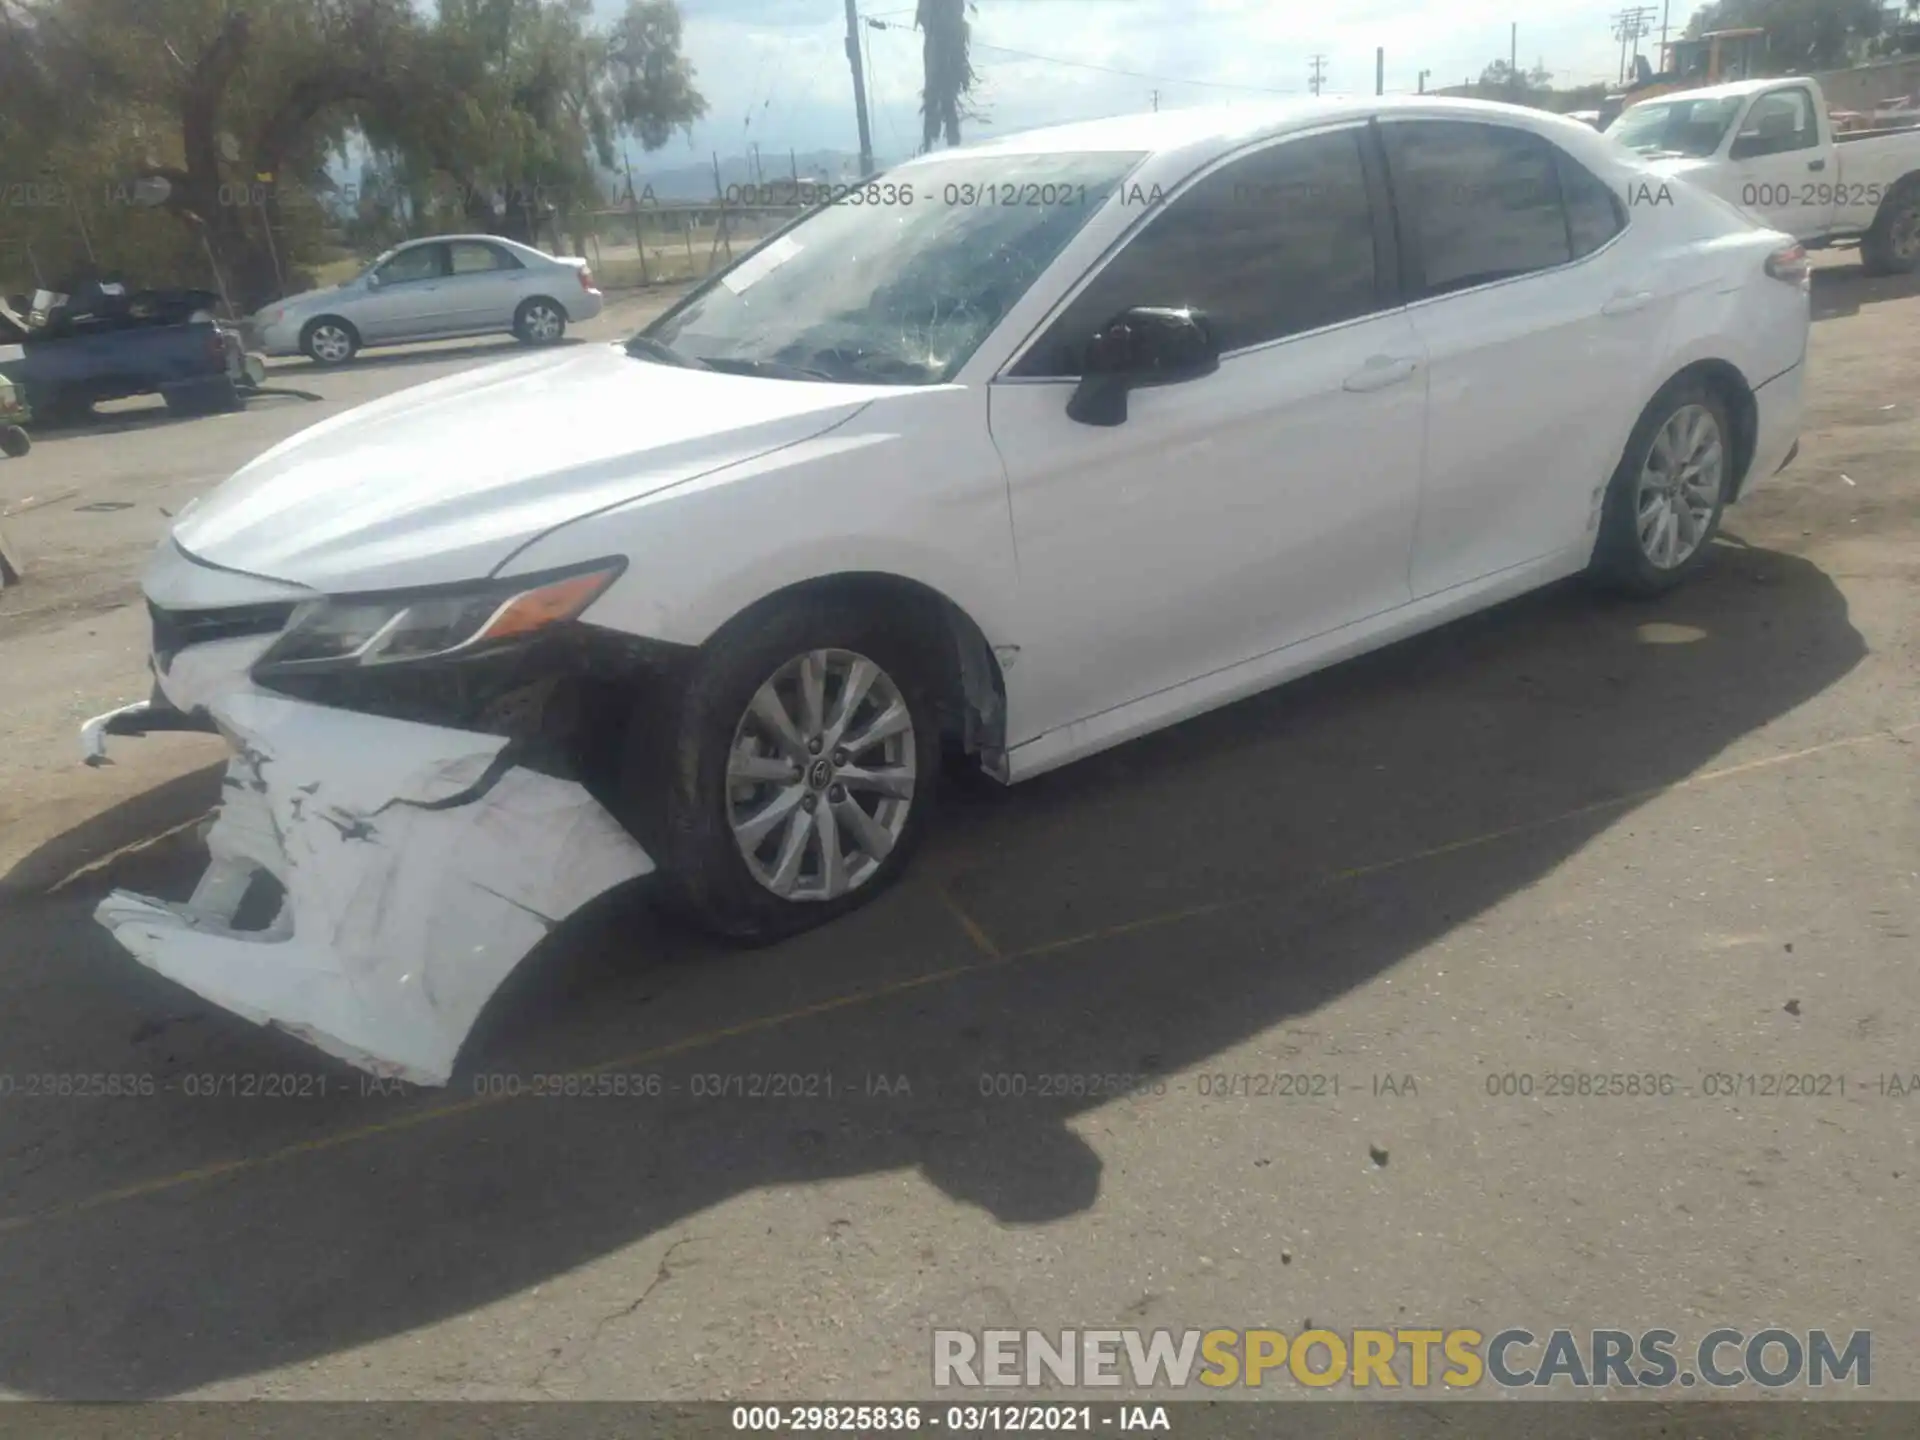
(419, 867)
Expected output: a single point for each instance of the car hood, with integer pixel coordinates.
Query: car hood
(306, 299)
(446, 481)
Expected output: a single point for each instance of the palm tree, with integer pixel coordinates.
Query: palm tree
(949, 70)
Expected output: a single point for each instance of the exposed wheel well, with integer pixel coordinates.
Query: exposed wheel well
(1726, 381)
(973, 687)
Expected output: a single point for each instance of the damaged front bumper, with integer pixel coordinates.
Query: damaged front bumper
(417, 867)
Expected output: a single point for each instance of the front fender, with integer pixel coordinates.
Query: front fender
(911, 487)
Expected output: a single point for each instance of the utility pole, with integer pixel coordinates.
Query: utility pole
(1380, 70)
(859, 90)
(1319, 71)
(1628, 27)
(1423, 80)
(1513, 60)
(1666, 14)
(1156, 102)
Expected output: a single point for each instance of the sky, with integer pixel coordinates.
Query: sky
(775, 71)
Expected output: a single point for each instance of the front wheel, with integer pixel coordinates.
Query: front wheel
(329, 341)
(804, 768)
(1664, 503)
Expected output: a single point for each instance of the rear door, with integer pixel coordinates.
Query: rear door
(483, 285)
(1543, 321)
(1781, 164)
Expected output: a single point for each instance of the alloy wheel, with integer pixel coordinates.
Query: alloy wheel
(543, 323)
(331, 344)
(820, 775)
(1680, 487)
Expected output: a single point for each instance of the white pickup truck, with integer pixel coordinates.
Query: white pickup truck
(1768, 146)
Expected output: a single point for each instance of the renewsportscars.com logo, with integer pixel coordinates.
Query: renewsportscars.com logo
(1391, 1359)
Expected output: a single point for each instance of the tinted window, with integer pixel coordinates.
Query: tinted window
(1778, 123)
(1594, 213)
(471, 257)
(1482, 202)
(420, 263)
(1268, 246)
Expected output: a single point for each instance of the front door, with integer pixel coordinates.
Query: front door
(410, 303)
(1778, 168)
(1234, 514)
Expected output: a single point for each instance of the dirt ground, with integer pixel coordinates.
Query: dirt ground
(1566, 836)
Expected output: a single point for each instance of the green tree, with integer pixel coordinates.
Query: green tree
(224, 118)
(948, 70)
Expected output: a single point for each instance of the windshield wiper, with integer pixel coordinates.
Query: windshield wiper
(771, 369)
(641, 347)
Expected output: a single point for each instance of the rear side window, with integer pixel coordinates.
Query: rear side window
(1273, 244)
(472, 257)
(1480, 202)
(1594, 213)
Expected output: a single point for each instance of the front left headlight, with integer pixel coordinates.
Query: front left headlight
(403, 627)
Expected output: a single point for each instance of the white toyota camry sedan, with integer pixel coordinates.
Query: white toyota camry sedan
(1013, 454)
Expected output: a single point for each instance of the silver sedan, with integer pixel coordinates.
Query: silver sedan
(437, 289)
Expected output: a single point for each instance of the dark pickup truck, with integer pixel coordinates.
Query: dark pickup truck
(65, 353)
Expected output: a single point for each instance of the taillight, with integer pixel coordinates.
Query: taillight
(586, 278)
(1791, 265)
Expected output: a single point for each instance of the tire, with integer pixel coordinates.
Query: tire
(682, 773)
(14, 442)
(1641, 493)
(329, 340)
(539, 321)
(1892, 246)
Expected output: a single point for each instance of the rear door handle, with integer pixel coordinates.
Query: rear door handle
(1380, 372)
(1627, 304)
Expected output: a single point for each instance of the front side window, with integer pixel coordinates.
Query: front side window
(1690, 129)
(901, 280)
(1274, 244)
(420, 263)
(1482, 202)
(1778, 123)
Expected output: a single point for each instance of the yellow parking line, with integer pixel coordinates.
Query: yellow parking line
(991, 958)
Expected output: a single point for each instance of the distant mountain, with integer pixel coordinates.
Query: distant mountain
(696, 182)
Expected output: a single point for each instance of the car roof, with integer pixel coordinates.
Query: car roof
(1200, 132)
(482, 239)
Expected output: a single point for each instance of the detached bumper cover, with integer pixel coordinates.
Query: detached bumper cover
(420, 867)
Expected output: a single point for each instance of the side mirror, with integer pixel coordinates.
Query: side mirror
(373, 280)
(1146, 345)
(1748, 147)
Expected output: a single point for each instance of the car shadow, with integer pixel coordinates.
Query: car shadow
(1842, 290)
(418, 353)
(1133, 915)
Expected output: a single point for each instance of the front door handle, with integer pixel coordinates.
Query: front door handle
(1627, 304)
(1380, 372)
(1816, 164)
